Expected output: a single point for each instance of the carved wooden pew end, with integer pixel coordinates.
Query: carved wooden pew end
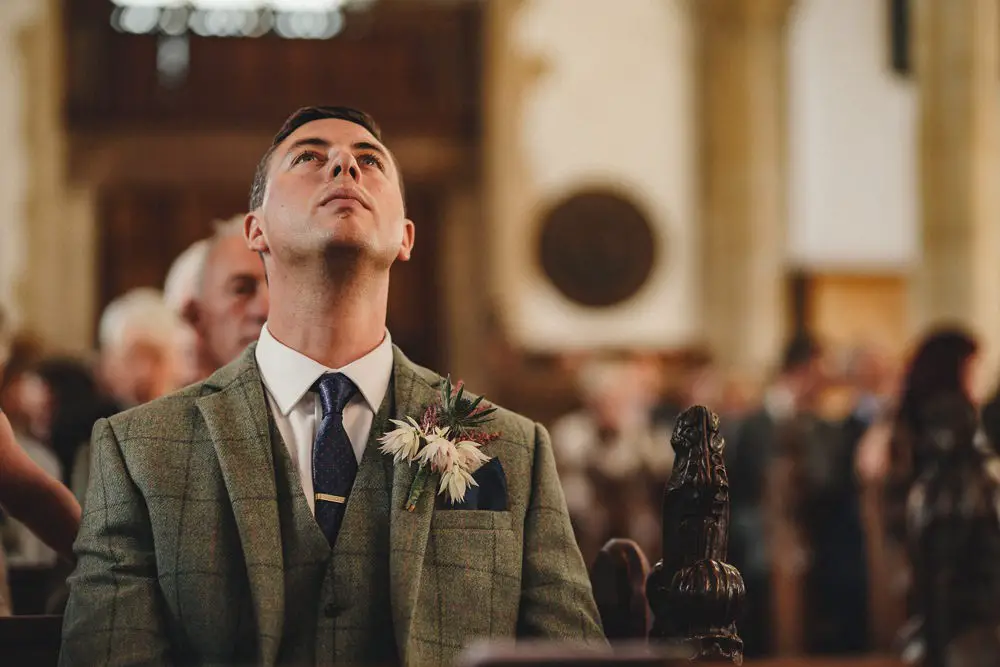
(694, 595)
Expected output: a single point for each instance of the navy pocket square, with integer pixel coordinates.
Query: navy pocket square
(490, 495)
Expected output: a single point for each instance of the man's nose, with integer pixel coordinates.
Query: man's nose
(345, 163)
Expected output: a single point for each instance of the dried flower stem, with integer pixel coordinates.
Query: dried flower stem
(419, 482)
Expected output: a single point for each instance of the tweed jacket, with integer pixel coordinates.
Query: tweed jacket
(180, 554)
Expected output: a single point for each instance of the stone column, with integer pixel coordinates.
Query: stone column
(742, 110)
(958, 78)
(48, 265)
(57, 285)
(15, 16)
(742, 98)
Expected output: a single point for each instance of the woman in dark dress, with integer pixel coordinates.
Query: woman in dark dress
(892, 454)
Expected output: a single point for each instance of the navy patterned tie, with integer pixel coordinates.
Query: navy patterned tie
(334, 465)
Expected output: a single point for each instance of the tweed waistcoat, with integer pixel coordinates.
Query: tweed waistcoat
(337, 608)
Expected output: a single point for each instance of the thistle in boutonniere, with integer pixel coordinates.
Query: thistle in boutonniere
(447, 440)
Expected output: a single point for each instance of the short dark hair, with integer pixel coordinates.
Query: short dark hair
(294, 122)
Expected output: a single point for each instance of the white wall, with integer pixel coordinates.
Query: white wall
(613, 107)
(853, 187)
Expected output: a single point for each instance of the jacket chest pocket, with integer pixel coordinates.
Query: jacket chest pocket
(476, 541)
(476, 557)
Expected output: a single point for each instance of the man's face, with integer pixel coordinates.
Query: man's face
(333, 192)
(140, 368)
(232, 306)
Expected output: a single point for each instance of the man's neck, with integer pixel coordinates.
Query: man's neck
(331, 324)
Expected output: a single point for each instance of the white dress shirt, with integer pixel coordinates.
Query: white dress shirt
(288, 377)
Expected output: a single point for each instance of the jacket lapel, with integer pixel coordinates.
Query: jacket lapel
(236, 417)
(415, 389)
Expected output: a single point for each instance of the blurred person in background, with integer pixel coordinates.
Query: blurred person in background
(24, 548)
(945, 363)
(869, 372)
(770, 459)
(62, 401)
(740, 397)
(230, 303)
(838, 573)
(219, 289)
(891, 455)
(613, 460)
(140, 358)
(705, 383)
(36, 498)
(27, 492)
(179, 288)
(25, 352)
(676, 388)
(138, 336)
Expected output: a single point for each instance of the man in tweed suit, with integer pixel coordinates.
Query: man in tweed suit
(205, 536)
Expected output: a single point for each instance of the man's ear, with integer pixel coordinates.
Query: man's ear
(191, 313)
(254, 233)
(406, 246)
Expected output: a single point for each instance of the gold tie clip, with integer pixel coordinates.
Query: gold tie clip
(331, 499)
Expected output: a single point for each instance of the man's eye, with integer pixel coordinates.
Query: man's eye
(371, 160)
(303, 157)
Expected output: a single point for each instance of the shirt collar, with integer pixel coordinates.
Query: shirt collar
(289, 374)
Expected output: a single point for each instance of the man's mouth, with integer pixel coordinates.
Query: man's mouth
(343, 194)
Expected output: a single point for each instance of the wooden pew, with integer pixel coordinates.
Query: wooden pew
(618, 577)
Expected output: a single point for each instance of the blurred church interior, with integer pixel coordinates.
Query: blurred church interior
(622, 208)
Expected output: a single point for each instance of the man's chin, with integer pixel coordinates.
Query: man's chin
(341, 249)
(346, 247)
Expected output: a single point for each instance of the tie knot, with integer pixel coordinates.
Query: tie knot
(335, 390)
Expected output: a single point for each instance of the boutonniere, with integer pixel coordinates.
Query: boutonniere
(447, 440)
